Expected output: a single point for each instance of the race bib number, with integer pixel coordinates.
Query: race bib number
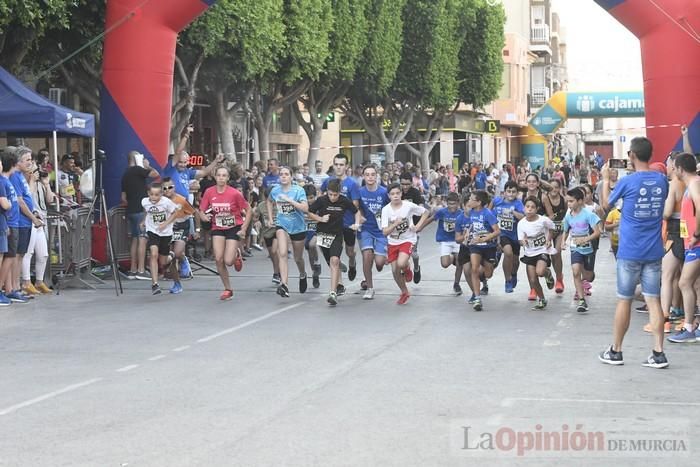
(505, 223)
(325, 240)
(158, 217)
(178, 235)
(558, 226)
(286, 208)
(449, 226)
(378, 216)
(684, 229)
(225, 221)
(400, 229)
(539, 241)
(311, 226)
(582, 245)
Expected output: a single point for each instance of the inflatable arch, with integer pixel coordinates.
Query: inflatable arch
(137, 81)
(563, 105)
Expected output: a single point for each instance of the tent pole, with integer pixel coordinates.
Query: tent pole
(58, 196)
(94, 172)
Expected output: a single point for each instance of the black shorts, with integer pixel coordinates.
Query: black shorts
(268, 241)
(335, 248)
(228, 234)
(533, 260)
(673, 227)
(349, 236)
(463, 256)
(487, 254)
(514, 244)
(205, 226)
(24, 234)
(295, 237)
(163, 243)
(181, 231)
(12, 240)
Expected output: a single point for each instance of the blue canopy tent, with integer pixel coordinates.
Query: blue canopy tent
(24, 111)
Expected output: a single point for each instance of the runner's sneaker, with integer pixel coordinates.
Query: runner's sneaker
(340, 290)
(549, 280)
(509, 287)
(676, 313)
(185, 269)
(667, 327)
(611, 357)
(315, 278)
(472, 299)
(276, 279)
(283, 290)
(416, 275)
(403, 298)
(533, 295)
(514, 280)
(257, 247)
(656, 360)
(683, 336)
(484, 288)
(332, 299)
(559, 286)
(369, 294)
(642, 309)
(4, 301)
(697, 334)
(408, 274)
(176, 288)
(238, 262)
(143, 276)
(352, 273)
(155, 289)
(540, 305)
(303, 284)
(457, 289)
(226, 295)
(478, 305)
(582, 306)
(131, 275)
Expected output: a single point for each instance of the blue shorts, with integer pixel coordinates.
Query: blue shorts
(3, 244)
(588, 260)
(310, 234)
(692, 254)
(370, 241)
(630, 273)
(134, 220)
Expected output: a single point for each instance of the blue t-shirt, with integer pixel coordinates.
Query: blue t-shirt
(181, 180)
(643, 195)
(463, 224)
(351, 190)
(270, 180)
(580, 225)
(447, 223)
(482, 222)
(22, 190)
(288, 217)
(3, 217)
(12, 214)
(506, 220)
(480, 180)
(371, 203)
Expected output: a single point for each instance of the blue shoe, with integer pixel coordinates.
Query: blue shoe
(514, 280)
(676, 314)
(16, 297)
(185, 269)
(176, 288)
(4, 301)
(697, 334)
(472, 299)
(683, 336)
(509, 287)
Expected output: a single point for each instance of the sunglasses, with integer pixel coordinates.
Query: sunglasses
(168, 187)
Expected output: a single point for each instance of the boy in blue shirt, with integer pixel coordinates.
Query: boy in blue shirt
(483, 235)
(445, 235)
(581, 226)
(373, 243)
(509, 210)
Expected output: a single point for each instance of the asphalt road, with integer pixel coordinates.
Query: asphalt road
(98, 380)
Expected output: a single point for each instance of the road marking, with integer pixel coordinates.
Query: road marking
(124, 369)
(249, 323)
(510, 401)
(180, 349)
(49, 395)
(157, 357)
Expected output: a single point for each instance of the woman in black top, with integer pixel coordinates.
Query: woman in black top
(558, 206)
(538, 189)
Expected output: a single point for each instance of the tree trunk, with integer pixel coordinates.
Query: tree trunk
(256, 145)
(225, 124)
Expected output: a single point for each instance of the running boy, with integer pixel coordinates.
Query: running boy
(373, 243)
(534, 234)
(398, 226)
(582, 225)
(509, 210)
(483, 234)
(160, 214)
(445, 235)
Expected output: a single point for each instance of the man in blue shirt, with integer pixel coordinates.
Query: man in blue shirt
(373, 243)
(350, 190)
(183, 176)
(272, 177)
(643, 194)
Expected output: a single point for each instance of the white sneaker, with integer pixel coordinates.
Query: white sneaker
(369, 294)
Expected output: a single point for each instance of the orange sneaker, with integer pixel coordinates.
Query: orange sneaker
(238, 262)
(667, 327)
(226, 295)
(403, 298)
(559, 286)
(408, 274)
(533, 295)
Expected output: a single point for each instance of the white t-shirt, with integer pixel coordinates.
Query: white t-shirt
(403, 232)
(536, 232)
(157, 213)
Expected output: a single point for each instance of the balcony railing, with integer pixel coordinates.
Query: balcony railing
(539, 96)
(539, 34)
